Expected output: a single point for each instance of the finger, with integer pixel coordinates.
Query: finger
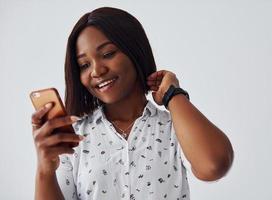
(157, 74)
(152, 76)
(154, 81)
(38, 115)
(62, 138)
(154, 88)
(151, 86)
(53, 152)
(52, 124)
(162, 72)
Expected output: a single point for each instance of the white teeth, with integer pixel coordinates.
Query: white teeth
(106, 83)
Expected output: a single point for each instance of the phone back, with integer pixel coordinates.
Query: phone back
(41, 97)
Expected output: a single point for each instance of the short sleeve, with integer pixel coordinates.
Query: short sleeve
(185, 162)
(65, 178)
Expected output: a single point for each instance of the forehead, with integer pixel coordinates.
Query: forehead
(90, 38)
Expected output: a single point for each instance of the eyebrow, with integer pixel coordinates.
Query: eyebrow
(97, 48)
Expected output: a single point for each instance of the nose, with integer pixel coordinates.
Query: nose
(99, 69)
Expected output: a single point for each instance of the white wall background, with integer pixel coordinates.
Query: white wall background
(221, 52)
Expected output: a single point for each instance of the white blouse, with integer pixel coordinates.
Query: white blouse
(105, 166)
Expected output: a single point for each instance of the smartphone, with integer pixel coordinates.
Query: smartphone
(41, 97)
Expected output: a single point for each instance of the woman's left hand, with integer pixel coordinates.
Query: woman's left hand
(159, 82)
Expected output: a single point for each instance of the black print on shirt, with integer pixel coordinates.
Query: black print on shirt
(105, 172)
(159, 153)
(133, 148)
(149, 148)
(161, 180)
(159, 140)
(121, 162)
(133, 164)
(115, 182)
(86, 151)
(143, 139)
(141, 176)
(132, 197)
(89, 192)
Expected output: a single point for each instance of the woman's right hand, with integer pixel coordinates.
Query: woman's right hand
(49, 146)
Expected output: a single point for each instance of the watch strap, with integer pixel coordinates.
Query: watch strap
(172, 91)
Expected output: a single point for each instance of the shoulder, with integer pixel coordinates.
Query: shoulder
(164, 114)
(160, 114)
(85, 120)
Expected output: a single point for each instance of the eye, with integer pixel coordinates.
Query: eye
(84, 66)
(109, 54)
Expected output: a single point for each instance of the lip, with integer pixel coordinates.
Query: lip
(107, 87)
(99, 82)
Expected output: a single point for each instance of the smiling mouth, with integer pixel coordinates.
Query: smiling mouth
(106, 85)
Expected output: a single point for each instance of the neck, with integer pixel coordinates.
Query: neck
(126, 110)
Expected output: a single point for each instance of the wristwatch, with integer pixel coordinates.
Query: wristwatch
(172, 91)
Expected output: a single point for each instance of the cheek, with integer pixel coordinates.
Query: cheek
(129, 69)
(84, 78)
(85, 81)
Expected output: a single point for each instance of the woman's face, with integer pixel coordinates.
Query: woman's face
(105, 70)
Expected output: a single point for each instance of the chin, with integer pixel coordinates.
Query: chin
(112, 99)
(109, 100)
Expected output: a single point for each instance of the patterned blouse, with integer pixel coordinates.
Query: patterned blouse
(148, 165)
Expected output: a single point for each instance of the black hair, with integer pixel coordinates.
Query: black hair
(127, 33)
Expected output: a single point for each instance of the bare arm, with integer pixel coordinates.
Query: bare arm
(47, 187)
(205, 146)
(49, 146)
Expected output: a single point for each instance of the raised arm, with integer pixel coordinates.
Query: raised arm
(49, 146)
(204, 145)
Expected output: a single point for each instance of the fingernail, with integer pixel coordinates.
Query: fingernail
(81, 137)
(74, 118)
(48, 105)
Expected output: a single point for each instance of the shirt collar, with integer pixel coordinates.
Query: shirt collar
(149, 110)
